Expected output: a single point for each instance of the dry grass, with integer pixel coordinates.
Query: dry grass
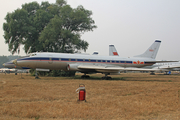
(136, 96)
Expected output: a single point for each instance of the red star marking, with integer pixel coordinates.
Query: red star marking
(115, 53)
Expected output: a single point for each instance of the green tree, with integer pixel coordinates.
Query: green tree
(11, 57)
(63, 33)
(47, 27)
(23, 26)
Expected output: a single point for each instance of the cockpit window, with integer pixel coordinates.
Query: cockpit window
(33, 54)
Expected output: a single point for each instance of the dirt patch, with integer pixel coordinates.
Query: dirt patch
(133, 96)
(2, 82)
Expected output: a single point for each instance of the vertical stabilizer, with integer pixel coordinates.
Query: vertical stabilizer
(112, 51)
(151, 52)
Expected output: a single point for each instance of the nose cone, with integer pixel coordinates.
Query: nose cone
(6, 65)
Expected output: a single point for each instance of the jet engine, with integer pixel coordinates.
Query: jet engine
(72, 67)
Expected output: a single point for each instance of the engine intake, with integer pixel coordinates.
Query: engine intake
(72, 67)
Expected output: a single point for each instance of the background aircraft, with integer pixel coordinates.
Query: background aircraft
(167, 67)
(7, 70)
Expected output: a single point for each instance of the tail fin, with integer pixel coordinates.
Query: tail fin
(112, 51)
(151, 52)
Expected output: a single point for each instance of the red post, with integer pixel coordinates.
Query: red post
(82, 95)
(82, 92)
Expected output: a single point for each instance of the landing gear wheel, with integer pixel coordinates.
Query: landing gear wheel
(152, 73)
(36, 74)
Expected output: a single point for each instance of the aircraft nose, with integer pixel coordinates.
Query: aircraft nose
(15, 61)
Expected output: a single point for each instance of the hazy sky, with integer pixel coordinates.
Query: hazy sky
(131, 25)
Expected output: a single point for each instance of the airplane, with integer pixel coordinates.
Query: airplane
(174, 66)
(163, 67)
(87, 64)
(7, 70)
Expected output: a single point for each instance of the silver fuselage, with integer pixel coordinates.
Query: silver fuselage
(60, 61)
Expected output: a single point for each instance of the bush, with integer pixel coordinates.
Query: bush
(54, 73)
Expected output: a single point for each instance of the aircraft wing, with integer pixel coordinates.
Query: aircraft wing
(113, 69)
(159, 61)
(169, 67)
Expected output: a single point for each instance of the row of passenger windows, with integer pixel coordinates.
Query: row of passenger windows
(89, 60)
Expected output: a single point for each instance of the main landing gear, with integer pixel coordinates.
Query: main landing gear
(36, 74)
(106, 77)
(152, 73)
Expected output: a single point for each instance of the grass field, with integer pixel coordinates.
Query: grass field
(134, 96)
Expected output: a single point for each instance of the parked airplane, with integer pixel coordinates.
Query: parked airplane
(90, 63)
(174, 66)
